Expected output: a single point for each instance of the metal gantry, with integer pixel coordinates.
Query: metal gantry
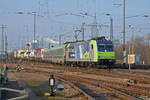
(95, 26)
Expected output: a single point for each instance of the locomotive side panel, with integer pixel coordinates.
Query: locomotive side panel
(78, 52)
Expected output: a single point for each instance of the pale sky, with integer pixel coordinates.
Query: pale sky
(20, 27)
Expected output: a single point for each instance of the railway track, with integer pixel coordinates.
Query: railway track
(100, 85)
(78, 88)
(118, 91)
(132, 90)
(68, 82)
(142, 78)
(139, 78)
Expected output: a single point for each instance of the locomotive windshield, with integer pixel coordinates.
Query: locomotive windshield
(109, 46)
(105, 47)
(101, 47)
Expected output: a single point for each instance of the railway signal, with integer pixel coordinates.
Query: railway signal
(52, 84)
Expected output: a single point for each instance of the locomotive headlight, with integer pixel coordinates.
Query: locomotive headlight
(99, 57)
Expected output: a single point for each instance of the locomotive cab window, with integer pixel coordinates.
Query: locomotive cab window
(109, 46)
(92, 46)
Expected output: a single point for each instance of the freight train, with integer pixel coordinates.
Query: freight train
(93, 52)
(96, 51)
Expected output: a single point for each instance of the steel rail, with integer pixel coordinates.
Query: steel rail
(115, 91)
(88, 97)
(85, 80)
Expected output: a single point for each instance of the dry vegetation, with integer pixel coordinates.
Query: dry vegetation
(141, 48)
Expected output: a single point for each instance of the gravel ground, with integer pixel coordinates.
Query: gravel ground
(38, 83)
(6, 94)
(11, 84)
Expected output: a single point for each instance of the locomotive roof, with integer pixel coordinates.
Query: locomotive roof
(102, 38)
(109, 41)
(74, 41)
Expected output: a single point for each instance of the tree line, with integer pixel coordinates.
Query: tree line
(139, 45)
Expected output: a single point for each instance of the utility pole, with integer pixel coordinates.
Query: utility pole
(94, 28)
(42, 43)
(6, 44)
(124, 51)
(49, 45)
(34, 31)
(133, 40)
(34, 15)
(82, 29)
(111, 29)
(111, 26)
(59, 39)
(34, 27)
(3, 38)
